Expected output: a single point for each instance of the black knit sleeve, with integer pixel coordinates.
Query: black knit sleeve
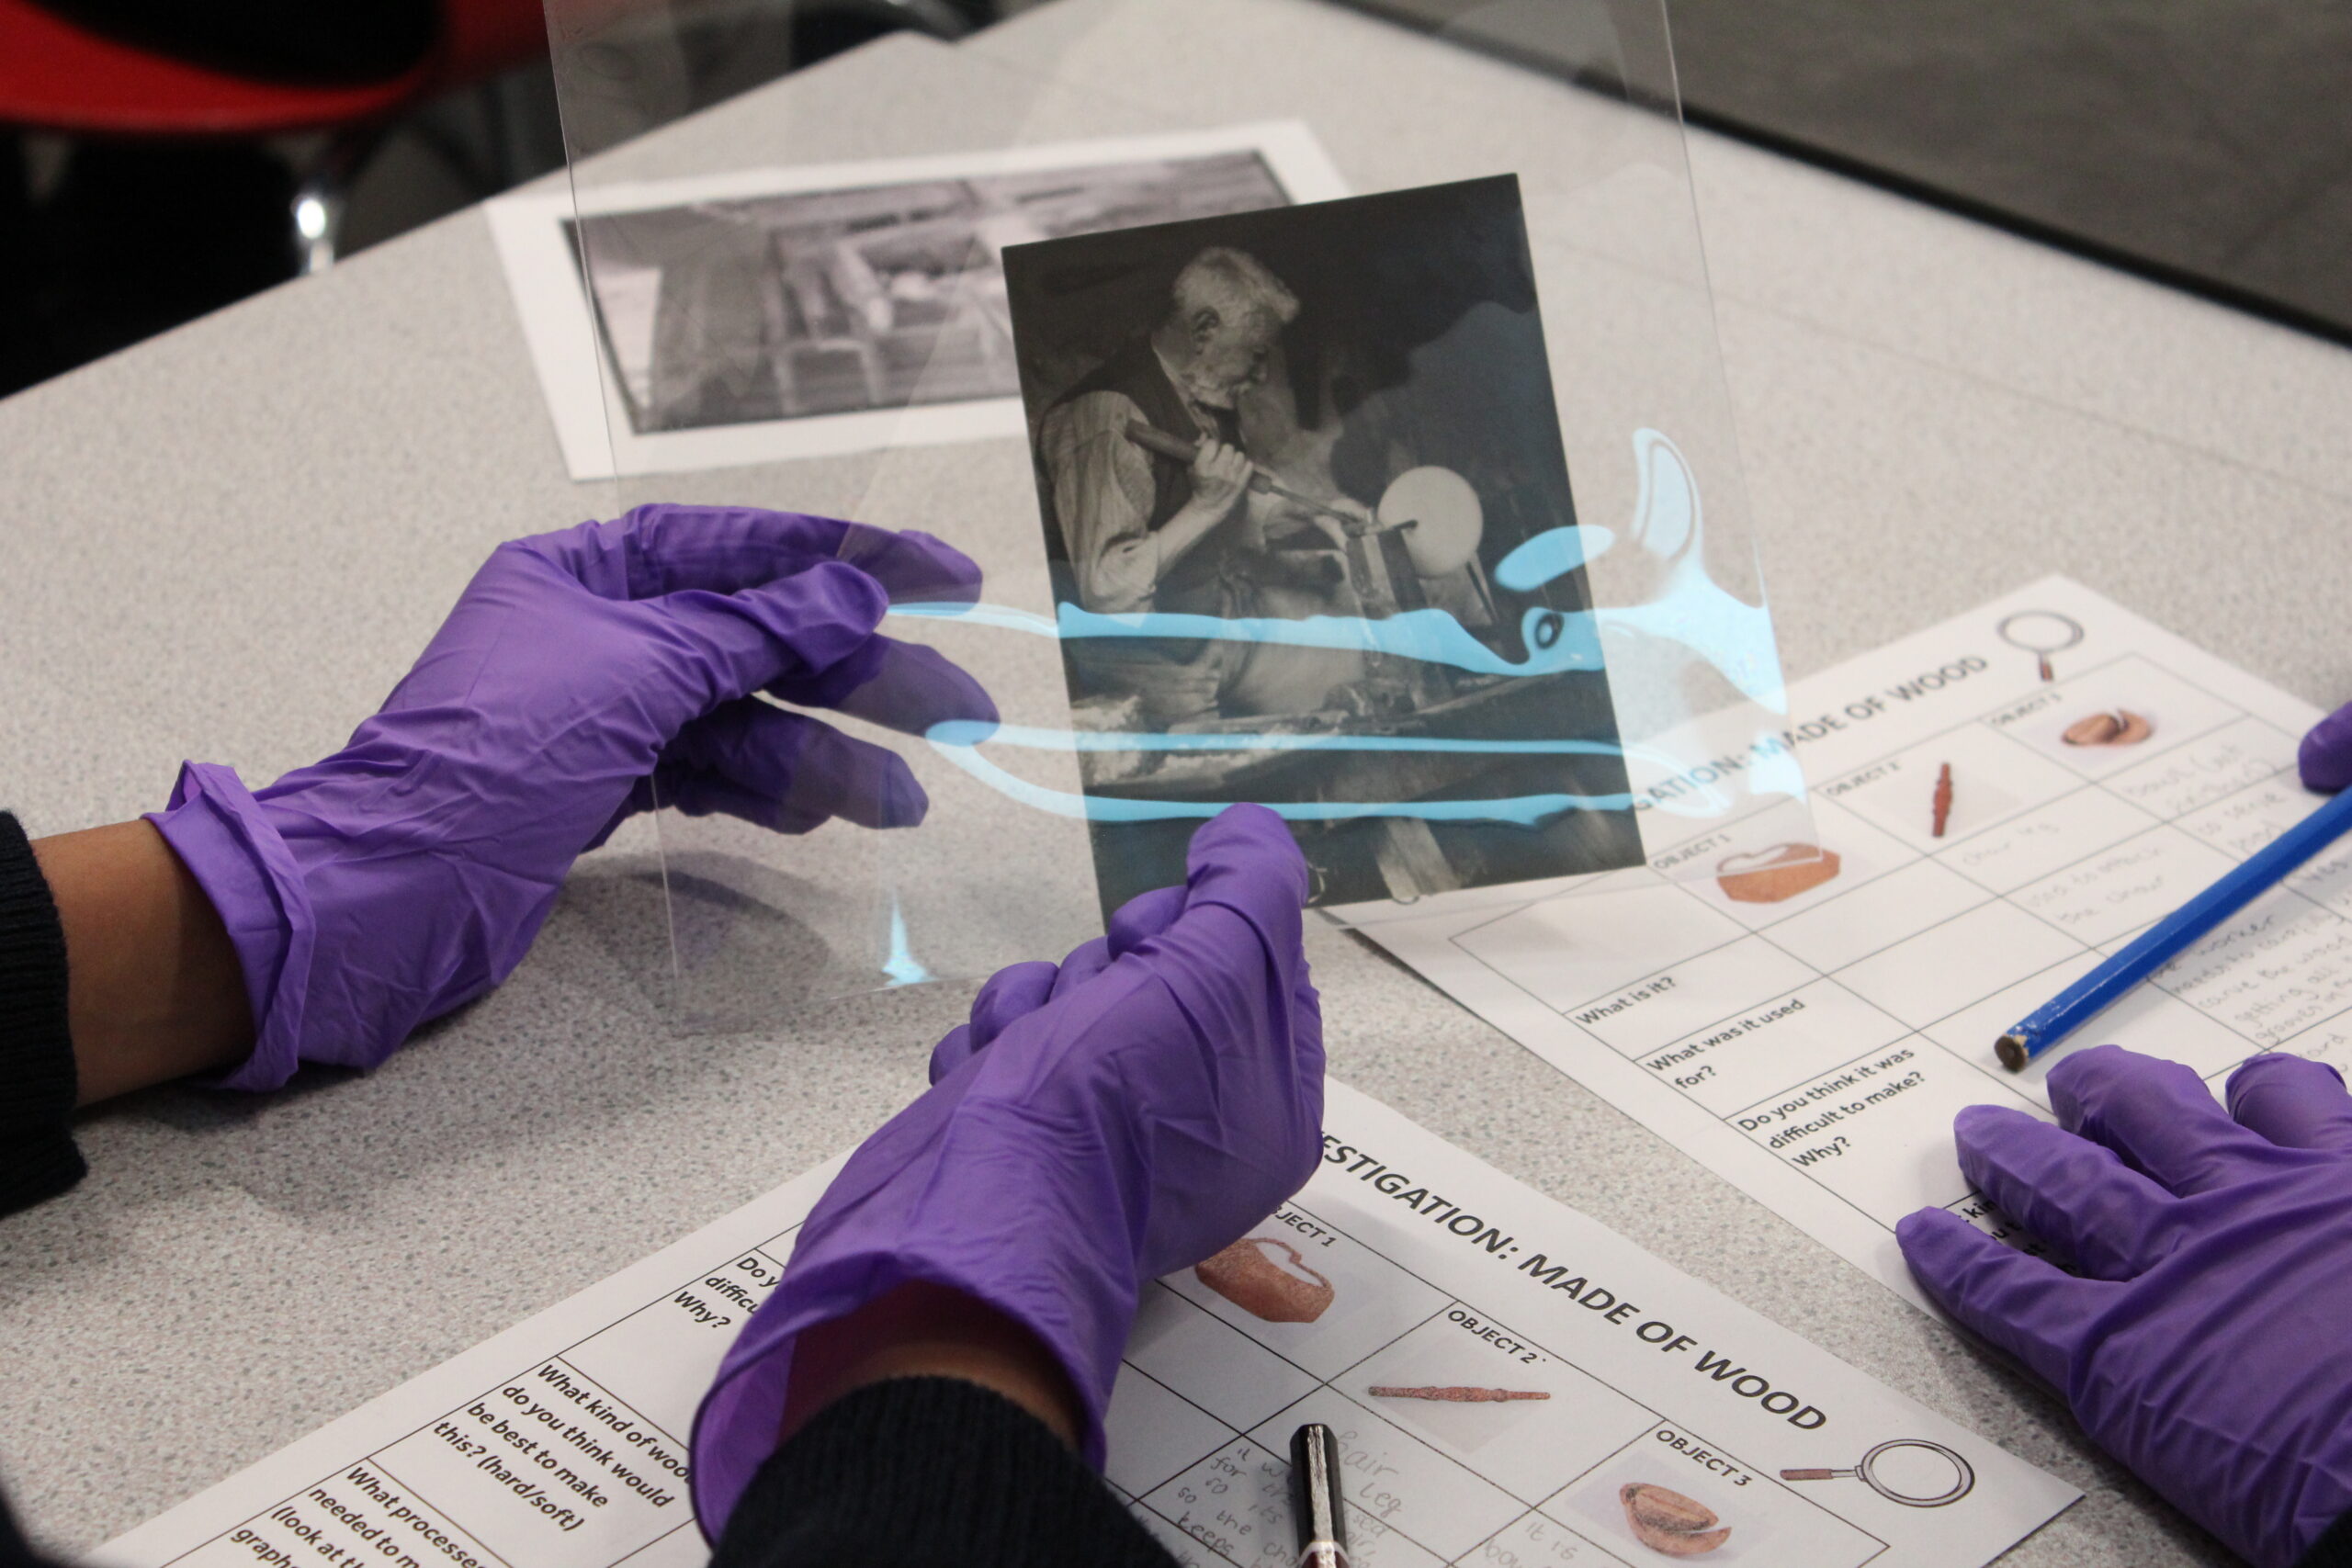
(14, 1552)
(2331, 1550)
(38, 1159)
(930, 1472)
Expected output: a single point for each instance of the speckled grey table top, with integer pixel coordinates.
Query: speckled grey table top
(228, 543)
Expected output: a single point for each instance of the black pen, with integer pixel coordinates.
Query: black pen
(1315, 1497)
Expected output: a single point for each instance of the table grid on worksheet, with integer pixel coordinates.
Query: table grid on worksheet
(2150, 830)
(440, 1472)
(1224, 1498)
(1198, 1446)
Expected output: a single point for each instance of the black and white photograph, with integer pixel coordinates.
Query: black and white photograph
(1280, 455)
(793, 313)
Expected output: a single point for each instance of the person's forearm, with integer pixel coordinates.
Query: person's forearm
(153, 989)
(1188, 527)
(1120, 577)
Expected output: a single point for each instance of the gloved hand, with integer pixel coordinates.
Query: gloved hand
(2209, 1343)
(1095, 1126)
(582, 676)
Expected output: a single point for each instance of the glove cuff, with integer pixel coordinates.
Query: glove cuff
(739, 1421)
(2331, 1550)
(220, 834)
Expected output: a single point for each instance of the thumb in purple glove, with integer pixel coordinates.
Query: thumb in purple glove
(2205, 1343)
(582, 676)
(1095, 1126)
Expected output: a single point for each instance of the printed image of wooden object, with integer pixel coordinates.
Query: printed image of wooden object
(1454, 1393)
(1943, 800)
(1249, 1275)
(1782, 871)
(2121, 727)
(1669, 1523)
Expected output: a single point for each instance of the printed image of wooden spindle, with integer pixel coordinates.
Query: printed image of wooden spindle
(1454, 1394)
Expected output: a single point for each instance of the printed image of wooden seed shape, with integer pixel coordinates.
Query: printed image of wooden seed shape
(1282, 1290)
(1669, 1523)
(2121, 727)
(1782, 871)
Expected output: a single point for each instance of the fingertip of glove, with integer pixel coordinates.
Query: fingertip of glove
(2105, 1081)
(959, 575)
(1249, 837)
(2273, 1070)
(2090, 1060)
(951, 1051)
(859, 595)
(1244, 819)
(919, 567)
(1927, 1237)
(904, 802)
(2325, 758)
(1977, 1121)
(2084, 1071)
(959, 696)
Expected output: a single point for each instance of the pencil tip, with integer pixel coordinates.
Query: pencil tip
(2011, 1050)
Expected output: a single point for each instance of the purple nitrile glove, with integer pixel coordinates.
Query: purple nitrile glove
(2209, 1343)
(582, 676)
(1095, 1126)
(2325, 756)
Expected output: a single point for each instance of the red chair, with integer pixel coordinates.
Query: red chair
(57, 78)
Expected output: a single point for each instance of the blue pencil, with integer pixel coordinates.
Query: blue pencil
(2074, 1007)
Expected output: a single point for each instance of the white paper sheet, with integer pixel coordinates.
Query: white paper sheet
(560, 1443)
(1813, 1050)
(574, 342)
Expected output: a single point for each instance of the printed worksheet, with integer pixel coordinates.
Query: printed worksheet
(1511, 1383)
(1998, 802)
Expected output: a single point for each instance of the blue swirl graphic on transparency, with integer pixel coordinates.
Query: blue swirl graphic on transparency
(959, 742)
(1690, 609)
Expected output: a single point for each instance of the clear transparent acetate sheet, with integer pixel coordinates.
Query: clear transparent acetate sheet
(1331, 401)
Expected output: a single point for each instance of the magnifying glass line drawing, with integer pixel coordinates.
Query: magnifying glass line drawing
(2041, 633)
(1963, 1478)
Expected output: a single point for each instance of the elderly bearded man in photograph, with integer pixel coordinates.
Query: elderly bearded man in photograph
(1215, 406)
(1140, 529)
